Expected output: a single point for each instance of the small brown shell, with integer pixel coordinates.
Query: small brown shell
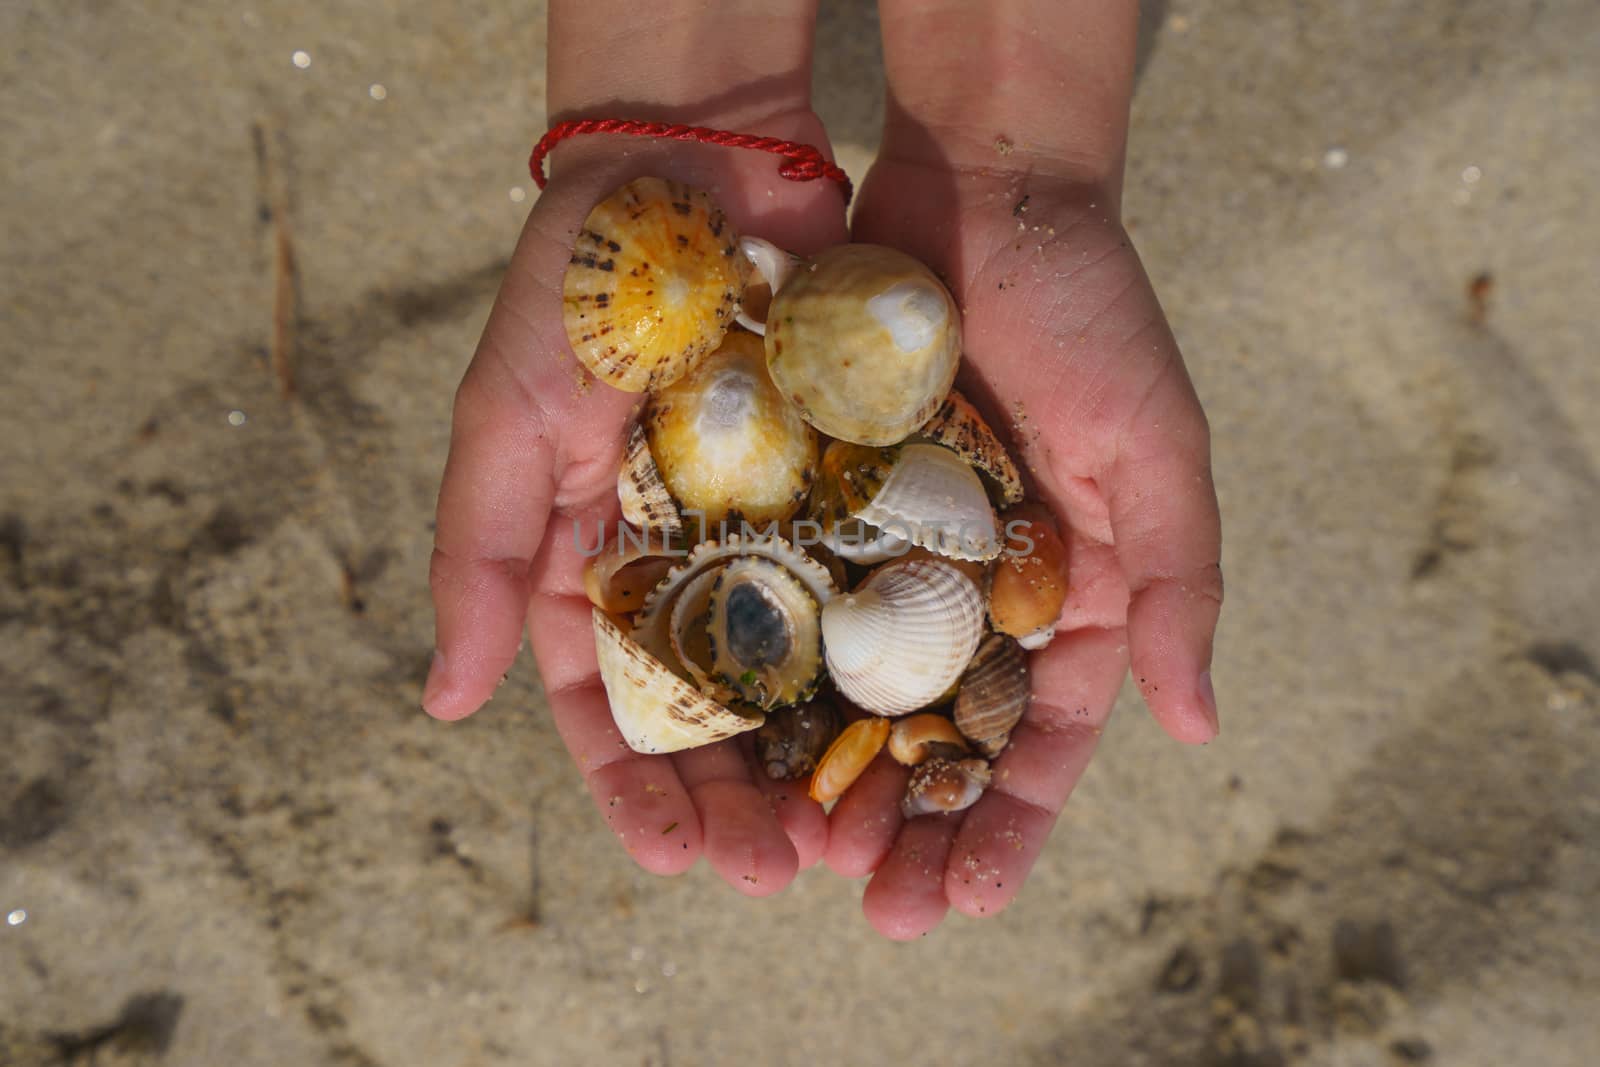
(792, 740)
(993, 694)
(958, 426)
(847, 757)
(1028, 584)
(943, 785)
(652, 285)
(917, 738)
(646, 503)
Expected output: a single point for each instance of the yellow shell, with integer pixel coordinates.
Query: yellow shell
(653, 282)
(865, 341)
(727, 443)
(851, 752)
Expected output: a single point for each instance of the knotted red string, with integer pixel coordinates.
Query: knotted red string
(803, 162)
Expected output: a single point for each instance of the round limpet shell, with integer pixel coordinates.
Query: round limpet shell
(865, 341)
(653, 283)
(726, 442)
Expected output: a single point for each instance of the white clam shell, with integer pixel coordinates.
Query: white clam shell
(902, 640)
(860, 543)
(772, 265)
(656, 710)
(932, 498)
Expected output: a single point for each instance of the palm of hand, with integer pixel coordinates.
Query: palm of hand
(1066, 342)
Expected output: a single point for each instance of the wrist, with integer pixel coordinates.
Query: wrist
(720, 62)
(1014, 86)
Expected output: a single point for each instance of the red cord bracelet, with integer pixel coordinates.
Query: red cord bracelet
(804, 163)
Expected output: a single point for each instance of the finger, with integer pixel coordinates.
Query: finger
(802, 818)
(493, 505)
(744, 841)
(865, 821)
(1075, 681)
(641, 797)
(1169, 541)
(905, 898)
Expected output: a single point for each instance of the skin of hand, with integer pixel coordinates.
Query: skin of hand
(534, 448)
(1014, 200)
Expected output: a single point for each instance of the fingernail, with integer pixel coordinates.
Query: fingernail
(1208, 701)
(435, 682)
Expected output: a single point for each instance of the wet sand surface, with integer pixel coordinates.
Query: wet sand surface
(229, 835)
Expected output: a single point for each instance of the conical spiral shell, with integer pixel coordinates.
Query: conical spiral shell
(994, 694)
(901, 640)
(656, 710)
(652, 285)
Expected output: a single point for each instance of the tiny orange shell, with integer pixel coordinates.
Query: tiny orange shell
(847, 757)
(918, 737)
(1028, 584)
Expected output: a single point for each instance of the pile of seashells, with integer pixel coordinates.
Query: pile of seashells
(811, 532)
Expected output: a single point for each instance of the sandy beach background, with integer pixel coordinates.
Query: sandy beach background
(229, 835)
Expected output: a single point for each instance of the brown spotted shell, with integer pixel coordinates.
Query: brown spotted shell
(958, 426)
(646, 503)
(993, 694)
(652, 285)
(655, 709)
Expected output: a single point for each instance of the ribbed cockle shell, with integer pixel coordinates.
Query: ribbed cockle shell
(865, 341)
(652, 285)
(921, 493)
(726, 441)
(655, 709)
(903, 638)
(993, 694)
